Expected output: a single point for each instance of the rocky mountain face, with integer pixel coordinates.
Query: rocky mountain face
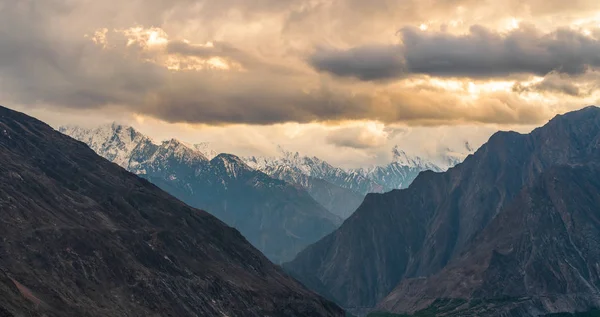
(278, 218)
(83, 237)
(540, 254)
(406, 235)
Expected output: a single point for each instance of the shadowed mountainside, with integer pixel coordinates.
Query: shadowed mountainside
(83, 237)
(417, 231)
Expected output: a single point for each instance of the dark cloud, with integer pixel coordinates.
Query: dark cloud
(40, 65)
(486, 53)
(218, 98)
(364, 62)
(483, 53)
(554, 83)
(45, 59)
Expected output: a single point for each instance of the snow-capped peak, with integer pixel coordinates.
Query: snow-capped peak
(401, 158)
(233, 165)
(441, 161)
(126, 146)
(133, 150)
(113, 141)
(180, 150)
(307, 165)
(206, 150)
(293, 165)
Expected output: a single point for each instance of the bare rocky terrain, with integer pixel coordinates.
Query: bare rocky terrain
(82, 236)
(403, 250)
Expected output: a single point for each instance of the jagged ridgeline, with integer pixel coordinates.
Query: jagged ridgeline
(82, 236)
(277, 217)
(514, 230)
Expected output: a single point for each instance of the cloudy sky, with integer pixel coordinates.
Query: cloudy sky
(342, 79)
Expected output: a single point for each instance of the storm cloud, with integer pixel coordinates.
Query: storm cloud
(363, 62)
(554, 83)
(482, 53)
(245, 62)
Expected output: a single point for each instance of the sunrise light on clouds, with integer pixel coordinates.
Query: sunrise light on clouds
(300, 65)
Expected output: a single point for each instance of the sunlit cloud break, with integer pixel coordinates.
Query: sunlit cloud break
(267, 63)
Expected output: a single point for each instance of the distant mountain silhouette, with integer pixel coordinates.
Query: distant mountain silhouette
(341, 191)
(276, 217)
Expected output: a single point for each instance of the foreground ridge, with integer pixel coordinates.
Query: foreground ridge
(84, 237)
(384, 253)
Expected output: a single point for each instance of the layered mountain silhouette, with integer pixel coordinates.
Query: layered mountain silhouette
(83, 237)
(341, 191)
(292, 165)
(276, 217)
(516, 222)
(339, 200)
(404, 168)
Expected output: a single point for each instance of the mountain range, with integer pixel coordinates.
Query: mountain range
(295, 164)
(397, 174)
(404, 168)
(343, 190)
(511, 231)
(339, 190)
(278, 218)
(82, 236)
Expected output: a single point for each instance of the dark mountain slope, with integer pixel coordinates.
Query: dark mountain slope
(276, 217)
(417, 231)
(83, 237)
(540, 254)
